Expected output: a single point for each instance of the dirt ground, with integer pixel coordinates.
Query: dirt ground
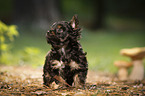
(26, 81)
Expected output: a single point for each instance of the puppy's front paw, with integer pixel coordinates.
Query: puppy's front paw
(77, 83)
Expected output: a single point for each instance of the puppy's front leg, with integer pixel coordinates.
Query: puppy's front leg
(47, 79)
(80, 79)
(47, 73)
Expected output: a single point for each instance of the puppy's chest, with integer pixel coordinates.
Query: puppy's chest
(63, 52)
(65, 60)
(62, 65)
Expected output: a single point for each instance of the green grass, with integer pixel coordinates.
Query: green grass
(102, 47)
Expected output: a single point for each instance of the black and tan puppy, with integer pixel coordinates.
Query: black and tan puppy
(66, 62)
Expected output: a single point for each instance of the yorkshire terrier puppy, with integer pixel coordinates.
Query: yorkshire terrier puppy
(66, 62)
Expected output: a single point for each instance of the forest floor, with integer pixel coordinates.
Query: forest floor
(26, 81)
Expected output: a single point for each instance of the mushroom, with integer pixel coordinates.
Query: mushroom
(123, 66)
(136, 55)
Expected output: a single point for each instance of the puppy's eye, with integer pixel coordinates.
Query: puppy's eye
(59, 30)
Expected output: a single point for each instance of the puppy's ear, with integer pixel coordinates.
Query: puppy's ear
(74, 22)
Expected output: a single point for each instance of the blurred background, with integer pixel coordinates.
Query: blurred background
(107, 27)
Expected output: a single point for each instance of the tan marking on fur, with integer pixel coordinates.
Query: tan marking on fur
(58, 64)
(52, 32)
(76, 82)
(59, 26)
(74, 65)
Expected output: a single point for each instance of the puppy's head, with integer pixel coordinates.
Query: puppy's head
(63, 32)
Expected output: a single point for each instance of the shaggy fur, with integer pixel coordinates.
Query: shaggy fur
(66, 63)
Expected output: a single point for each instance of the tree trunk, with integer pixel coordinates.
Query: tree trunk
(98, 21)
(37, 12)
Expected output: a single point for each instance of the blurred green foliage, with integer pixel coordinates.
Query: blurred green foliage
(23, 54)
(7, 34)
(29, 55)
